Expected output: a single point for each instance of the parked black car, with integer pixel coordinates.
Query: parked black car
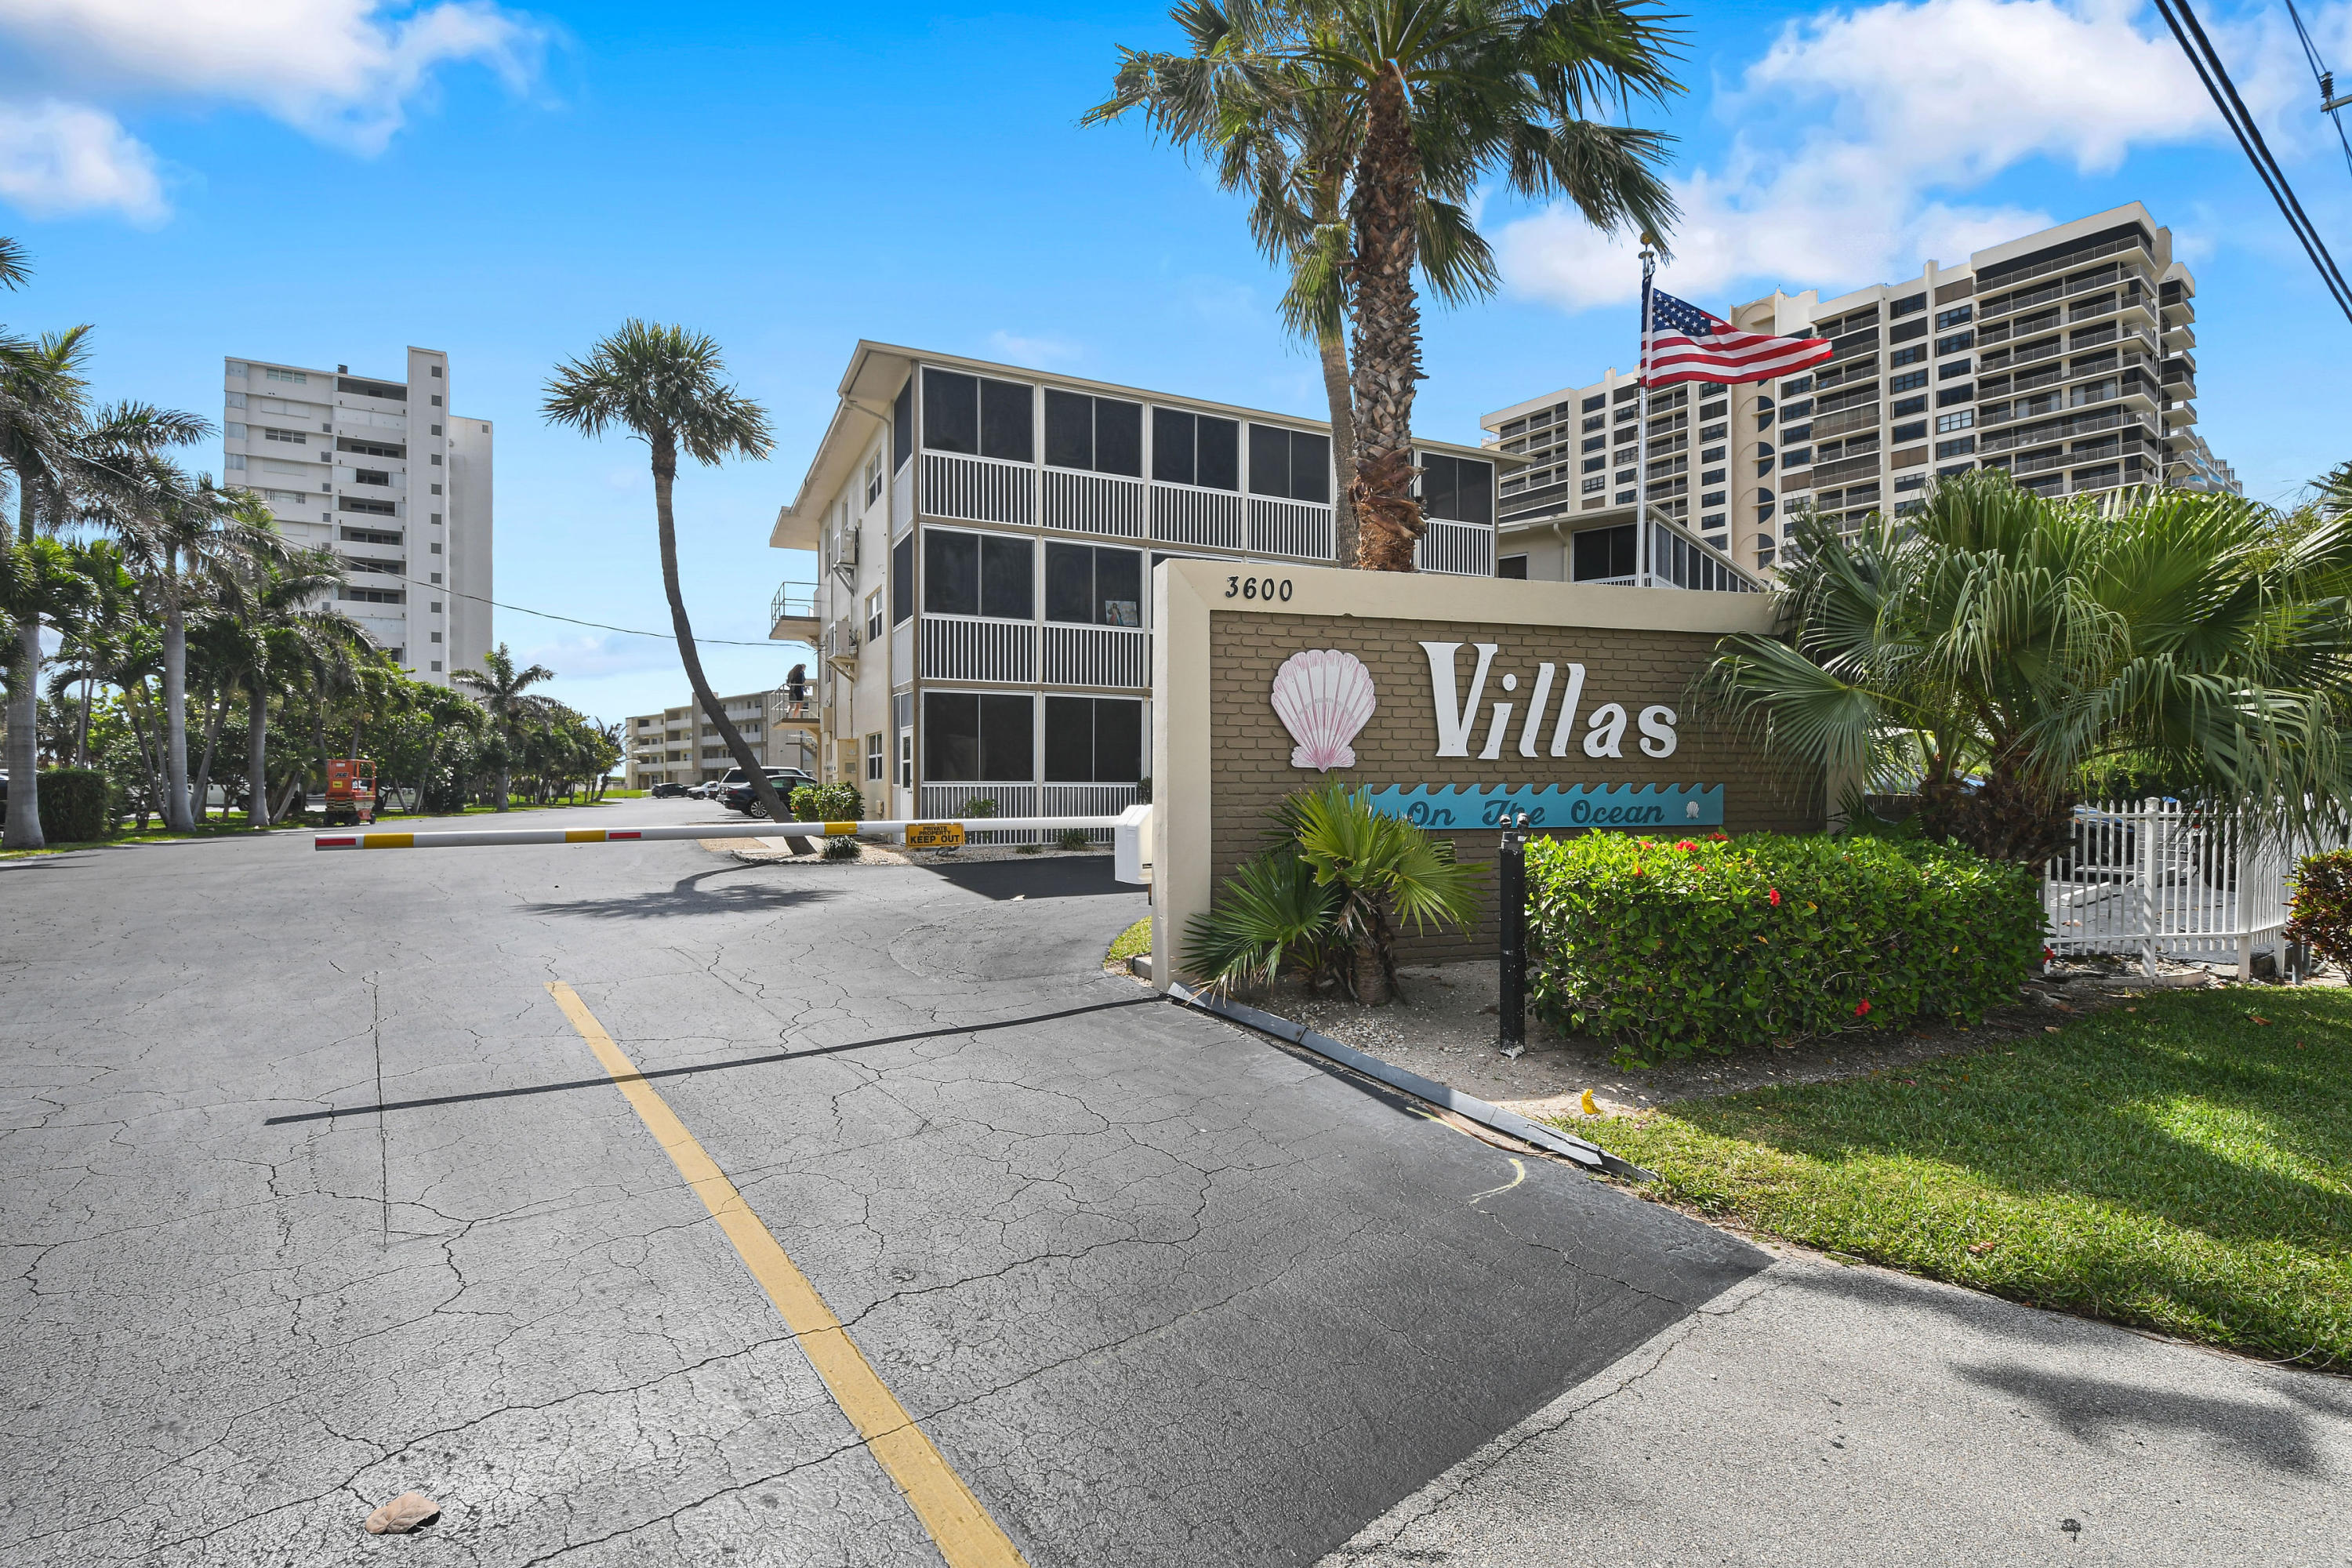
(663, 790)
(735, 790)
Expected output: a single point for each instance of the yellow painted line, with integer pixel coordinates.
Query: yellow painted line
(388, 841)
(959, 1527)
(583, 835)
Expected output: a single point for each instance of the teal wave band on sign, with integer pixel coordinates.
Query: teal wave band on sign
(1663, 807)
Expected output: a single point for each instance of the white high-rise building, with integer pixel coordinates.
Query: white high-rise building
(383, 474)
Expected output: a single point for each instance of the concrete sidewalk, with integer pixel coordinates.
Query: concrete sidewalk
(1820, 1414)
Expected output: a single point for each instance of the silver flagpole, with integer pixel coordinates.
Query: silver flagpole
(1641, 462)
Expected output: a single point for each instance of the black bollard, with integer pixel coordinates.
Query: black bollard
(1511, 888)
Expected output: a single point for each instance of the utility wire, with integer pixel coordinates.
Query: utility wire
(2210, 71)
(2328, 105)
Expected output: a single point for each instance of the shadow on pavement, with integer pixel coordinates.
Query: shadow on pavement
(687, 896)
(2258, 1429)
(1067, 877)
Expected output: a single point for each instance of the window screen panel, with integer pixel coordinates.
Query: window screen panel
(1269, 460)
(1218, 461)
(1119, 741)
(1007, 588)
(951, 574)
(1069, 429)
(1172, 437)
(1006, 733)
(902, 426)
(1069, 582)
(1119, 586)
(1310, 467)
(1069, 740)
(902, 580)
(1604, 552)
(1512, 567)
(951, 412)
(951, 737)
(1437, 485)
(1007, 422)
(1118, 437)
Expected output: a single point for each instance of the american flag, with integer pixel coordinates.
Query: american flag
(1685, 343)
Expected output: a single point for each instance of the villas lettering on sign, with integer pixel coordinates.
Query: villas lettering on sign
(1604, 727)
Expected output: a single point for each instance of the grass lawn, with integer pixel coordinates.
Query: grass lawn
(1135, 939)
(233, 828)
(2182, 1167)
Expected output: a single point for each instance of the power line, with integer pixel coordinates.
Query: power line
(2224, 93)
(2329, 104)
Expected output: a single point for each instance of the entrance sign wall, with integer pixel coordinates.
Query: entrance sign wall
(1451, 699)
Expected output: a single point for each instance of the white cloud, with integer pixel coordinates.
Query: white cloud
(344, 71)
(1043, 351)
(1902, 109)
(63, 158)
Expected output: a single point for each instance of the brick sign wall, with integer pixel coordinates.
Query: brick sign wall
(1225, 760)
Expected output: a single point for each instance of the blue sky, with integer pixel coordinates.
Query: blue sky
(213, 177)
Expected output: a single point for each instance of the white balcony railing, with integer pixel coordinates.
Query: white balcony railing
(1462, 548)
(1096, 655)
(1296, 528)
(1024, 798)
(970, 647)
(979, 490)
(1094, 503)
(1186, 514)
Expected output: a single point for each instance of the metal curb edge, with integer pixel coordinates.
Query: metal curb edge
(1589, 1155)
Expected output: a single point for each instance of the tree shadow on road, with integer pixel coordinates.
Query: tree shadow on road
(687, 896)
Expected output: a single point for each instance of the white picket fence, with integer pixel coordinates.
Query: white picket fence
(2157, 877)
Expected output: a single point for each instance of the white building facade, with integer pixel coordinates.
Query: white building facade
(985, 536)
(383, 474)
(678, 745)
(2065, 357)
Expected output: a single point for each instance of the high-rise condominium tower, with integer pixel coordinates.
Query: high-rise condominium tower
(383, 474)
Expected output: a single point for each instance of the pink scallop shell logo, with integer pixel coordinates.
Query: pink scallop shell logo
(1324, 698)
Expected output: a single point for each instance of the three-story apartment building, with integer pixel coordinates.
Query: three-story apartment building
(679, 745)
(985, 536)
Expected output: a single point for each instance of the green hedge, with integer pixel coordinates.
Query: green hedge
(73, 806)
(2320, 915)
(828, 803)
(1669, 947)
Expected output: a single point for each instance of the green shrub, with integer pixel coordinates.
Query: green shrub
(828, 803)
(1669, 947)
(2320, 917)
(1075, 839)
(841, 849)
(74, 806)
(984, 807)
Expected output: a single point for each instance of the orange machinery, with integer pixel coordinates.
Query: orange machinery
(351, 792)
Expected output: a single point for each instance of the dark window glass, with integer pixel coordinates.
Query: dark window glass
(1119, 741)
(902, 426)
(1069, 740)
(1006, 732)
(1006, 589)
(951, 737)
(1119, 586)
(1513, 566)
(1118, 437)
(1069, 589)
(951, 412)
(1310, 467)
(1603, 553)
(1459, 489)
(902, 580)
(1220, 462)
(1069, 429)
(951, 574)
(1007, 425)
(1437, 485)
(1269, 460)
(1172, 459)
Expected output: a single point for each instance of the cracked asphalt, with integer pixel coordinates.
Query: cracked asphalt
(1160, 1291)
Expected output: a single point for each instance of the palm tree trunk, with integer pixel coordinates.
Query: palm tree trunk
(1332, 348)
(175, 727)
(257, 755)
(664, 447)
(1388, 332)
(202, 788)
(81, 723)
(24, 829)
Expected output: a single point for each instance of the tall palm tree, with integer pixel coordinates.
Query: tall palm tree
(504, 691)
(267, 601)
(666, 386)
(43, 396)
(2003, 650)
(1478, 90)
(1285, 132)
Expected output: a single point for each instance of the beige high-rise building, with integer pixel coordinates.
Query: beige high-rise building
(2064, 356)
(385, 476)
